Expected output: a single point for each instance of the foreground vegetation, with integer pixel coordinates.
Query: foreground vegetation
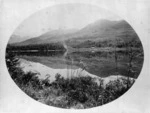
(77, 92)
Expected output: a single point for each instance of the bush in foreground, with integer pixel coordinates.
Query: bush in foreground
(77, 92)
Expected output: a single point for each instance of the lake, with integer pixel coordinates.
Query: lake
(100, 63)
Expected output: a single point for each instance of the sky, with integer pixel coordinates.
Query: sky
(68, 16)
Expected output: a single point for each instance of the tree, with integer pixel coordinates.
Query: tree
(131, 55)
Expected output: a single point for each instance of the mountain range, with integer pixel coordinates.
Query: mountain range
(16, 38)
(99, 30)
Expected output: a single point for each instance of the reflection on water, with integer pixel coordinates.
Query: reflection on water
(98, 63)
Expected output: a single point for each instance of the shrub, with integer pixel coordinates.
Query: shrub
(78, 92)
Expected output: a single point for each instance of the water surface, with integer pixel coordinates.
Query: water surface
(100, 63)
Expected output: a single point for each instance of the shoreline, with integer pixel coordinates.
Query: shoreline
(45, 72)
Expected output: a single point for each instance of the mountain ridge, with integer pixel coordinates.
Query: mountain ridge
(100, 29)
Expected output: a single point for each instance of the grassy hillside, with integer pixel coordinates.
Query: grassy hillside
(104, 34)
